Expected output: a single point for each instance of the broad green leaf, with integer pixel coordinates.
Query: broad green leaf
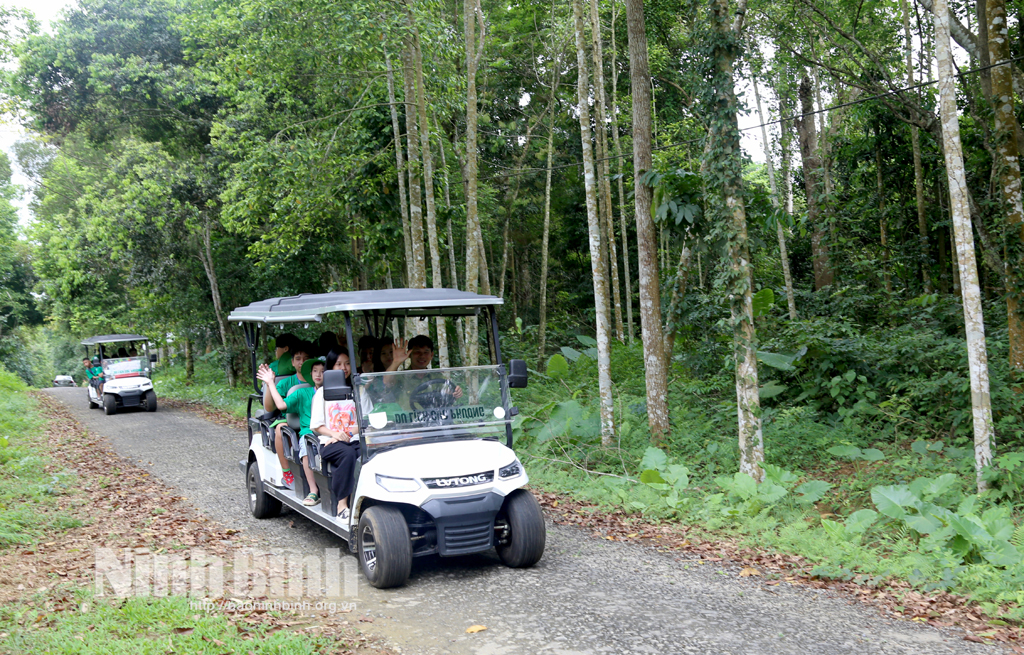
(861, 520)
(586, 341)
(771, 389)
(872, 455)
(776, 360)
(571, 353)
(678, 476)
(921, 523)
(920, 447)
(744, 486)
(812, 491)
(971, 529)
(941, 485)
(833, 529)
(654, 458)
(770, 492)
(846, 452)
(779, 475)
(763, 301)
(891, 500)
(557, 366)
(650, 476)
(563, 416)
(1001, 553)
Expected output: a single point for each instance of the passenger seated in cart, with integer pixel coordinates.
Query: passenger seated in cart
(298, 358)
(334, 421)
(282, 344)
(383, 354)
(298, 402)
(94, 373)
(366, 348)
(420, 352)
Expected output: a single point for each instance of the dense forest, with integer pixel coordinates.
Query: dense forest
(582, 159)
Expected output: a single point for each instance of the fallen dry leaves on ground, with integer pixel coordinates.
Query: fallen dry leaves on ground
(122, 506)
(893, 597)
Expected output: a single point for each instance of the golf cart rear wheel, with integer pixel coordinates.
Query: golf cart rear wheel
(92, 405)
(109, 404)
(150, 400)
(261, 504)
(522, 545)
(385, 548)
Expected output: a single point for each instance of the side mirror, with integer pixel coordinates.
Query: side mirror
(153, 358)
(335, 386)
(517, 374)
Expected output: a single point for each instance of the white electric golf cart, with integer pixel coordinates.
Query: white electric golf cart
(436, 472)
(126, 376)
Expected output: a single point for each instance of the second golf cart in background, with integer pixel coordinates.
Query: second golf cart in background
(126, 377)
(436, 472)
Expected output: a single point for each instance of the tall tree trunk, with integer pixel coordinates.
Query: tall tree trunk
(428, 184)
(783, 254)
(460, 333)
(915, 143)
(417, 267)
(656, 375)
(1008, 166)
(974, 324)
(473, 17)
(823, 276)
(883, 219)
(206, 257)
(543, 309)
(725, 167)
(403, 200)
(621, 183)
(601, 131)
(597, 265)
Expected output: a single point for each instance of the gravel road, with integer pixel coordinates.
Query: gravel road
(585, 595)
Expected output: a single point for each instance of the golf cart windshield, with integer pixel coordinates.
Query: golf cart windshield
(405, 407)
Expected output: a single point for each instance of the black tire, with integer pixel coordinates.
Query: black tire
(261, 504)
(523, 544)
(109, 404)
(385, 548)
(92, 405)
(150, 400)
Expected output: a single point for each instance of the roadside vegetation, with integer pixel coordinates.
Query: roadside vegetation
(43, 609)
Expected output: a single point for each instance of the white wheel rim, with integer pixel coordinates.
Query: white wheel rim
(368, 546)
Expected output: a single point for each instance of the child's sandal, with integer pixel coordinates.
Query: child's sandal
(311, 499)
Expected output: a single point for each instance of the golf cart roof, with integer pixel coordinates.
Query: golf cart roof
(397, 302)
(113, 338)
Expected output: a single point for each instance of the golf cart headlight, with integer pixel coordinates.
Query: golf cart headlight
(397, 485)
(510, 471)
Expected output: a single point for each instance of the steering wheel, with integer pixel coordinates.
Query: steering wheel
(438, 392)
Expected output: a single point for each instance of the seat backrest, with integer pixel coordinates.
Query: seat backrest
(336, 387)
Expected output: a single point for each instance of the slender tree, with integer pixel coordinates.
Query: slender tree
(656, 374)
(812, 171)
(724, 168)
(974, 323)
(403, 199)
(783, 253)
(473, 17)
(915, 143)
(597, 264)
(619, 180)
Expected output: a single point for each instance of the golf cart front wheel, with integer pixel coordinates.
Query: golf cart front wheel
(150, 400)
(521, 544)
(261, 504)
(385, 548)
(109, 404)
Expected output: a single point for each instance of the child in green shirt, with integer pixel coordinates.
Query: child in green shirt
(298, 402)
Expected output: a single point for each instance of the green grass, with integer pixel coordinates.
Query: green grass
(142, 626)
(27, 491)
(209, 386)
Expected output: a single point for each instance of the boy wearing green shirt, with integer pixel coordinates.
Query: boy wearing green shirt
(94, 374)
(299, 356)
(298, 402)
